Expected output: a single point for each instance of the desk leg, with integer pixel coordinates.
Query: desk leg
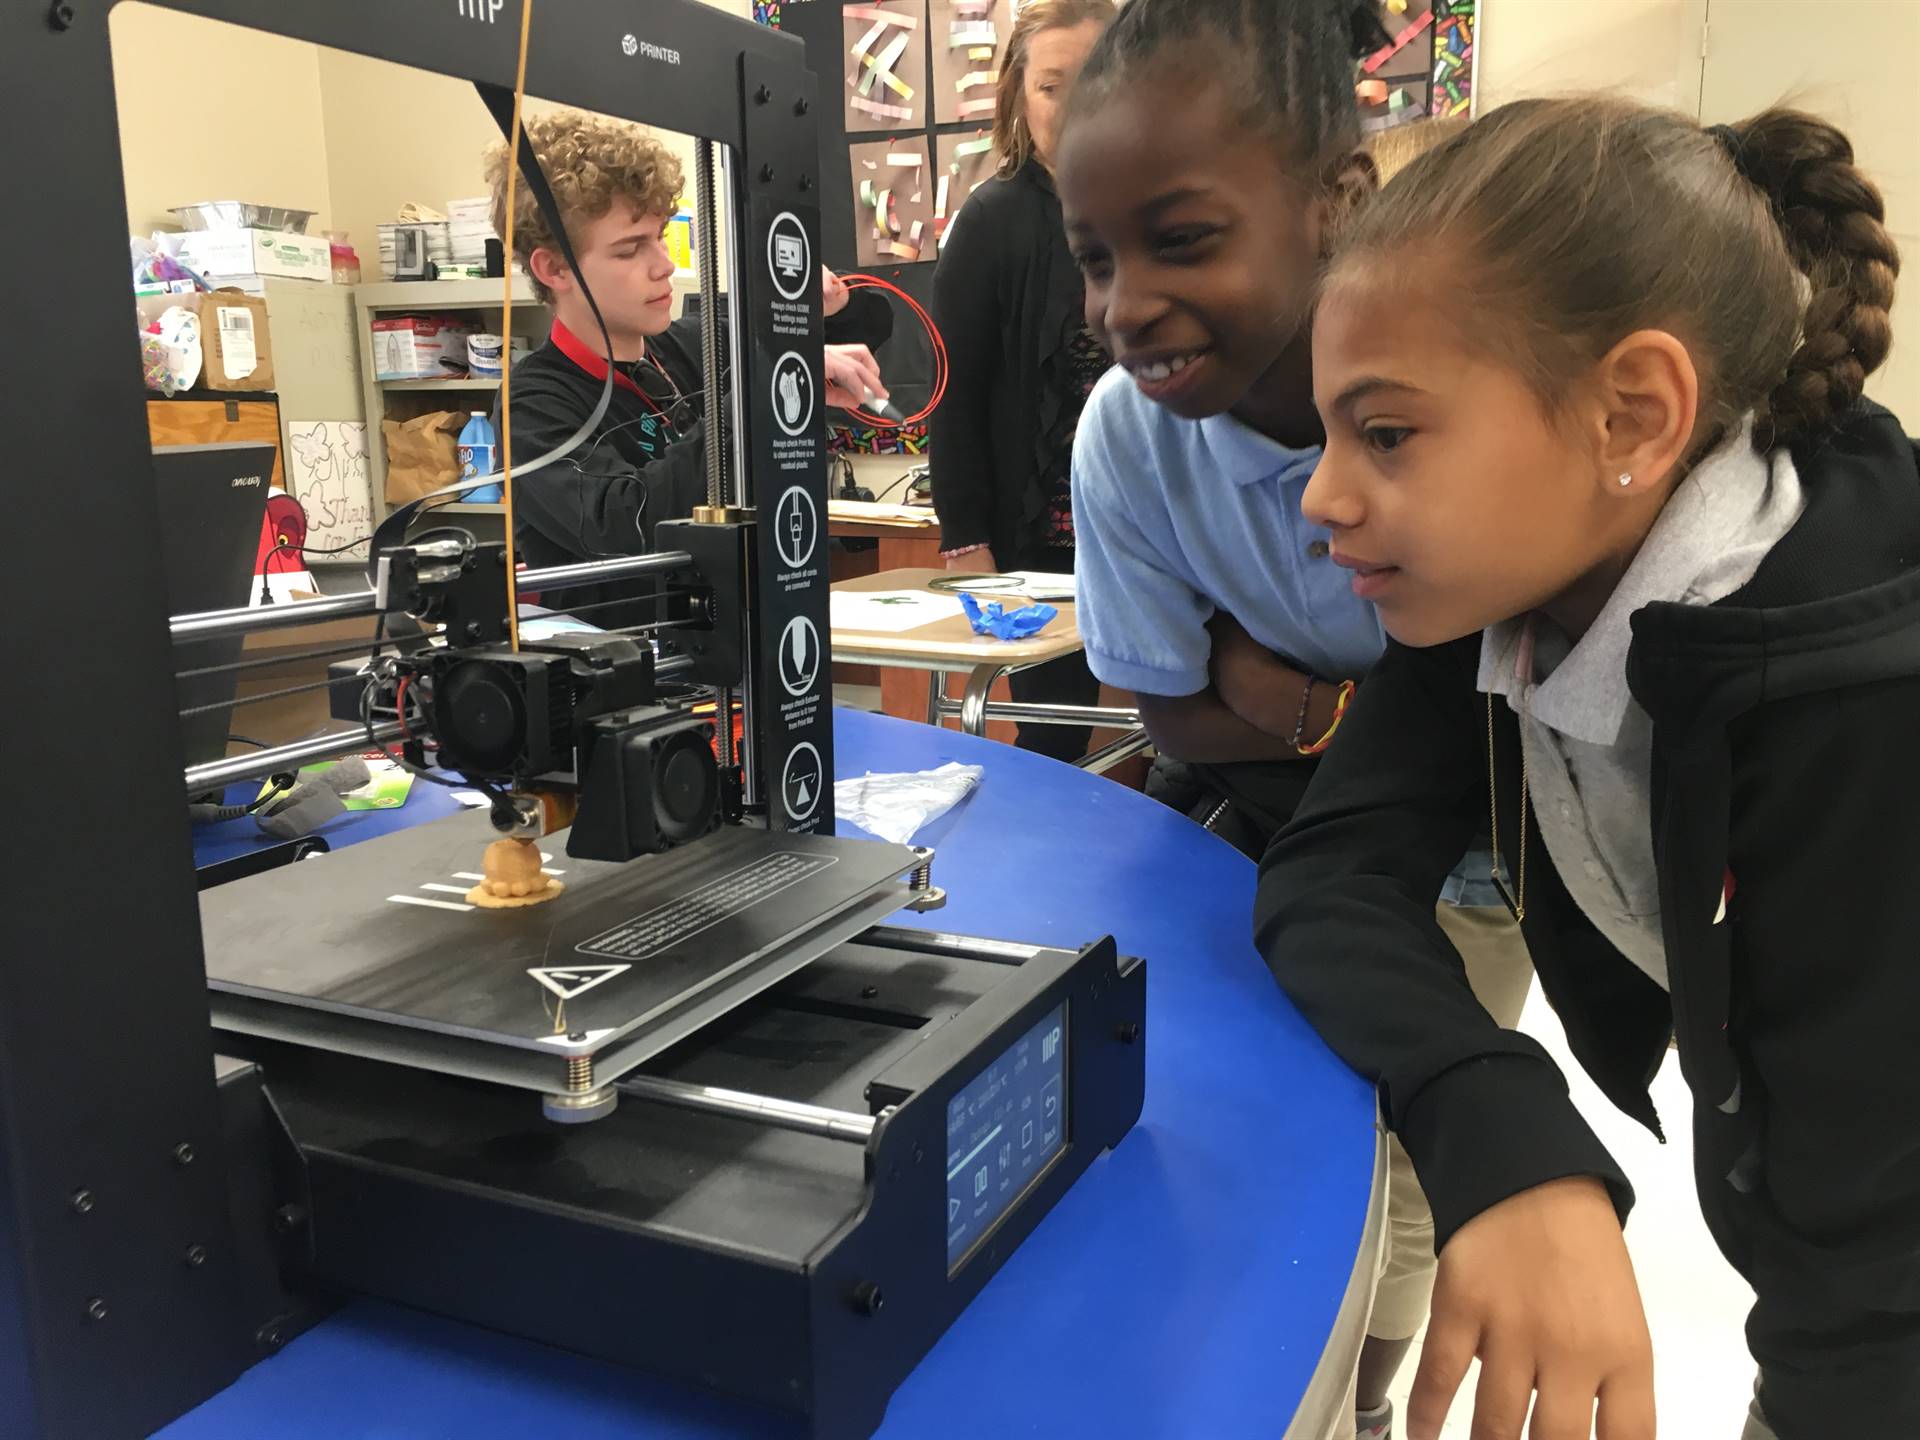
(973, 705)
(936, 692)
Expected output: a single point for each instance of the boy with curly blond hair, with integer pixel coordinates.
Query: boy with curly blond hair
(617, 188)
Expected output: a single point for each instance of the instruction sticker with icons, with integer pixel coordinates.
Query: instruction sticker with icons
(788, 492)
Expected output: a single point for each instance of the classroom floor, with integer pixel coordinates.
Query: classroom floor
(1695, 1303)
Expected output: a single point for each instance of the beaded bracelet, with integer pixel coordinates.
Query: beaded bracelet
(1300, 721)
(1340, 704)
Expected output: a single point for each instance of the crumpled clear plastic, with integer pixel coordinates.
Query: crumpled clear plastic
(996, 620)
(894, 807)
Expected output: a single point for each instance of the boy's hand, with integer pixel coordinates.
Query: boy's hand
(1539, 1288)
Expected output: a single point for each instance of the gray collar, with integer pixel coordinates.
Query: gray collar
(1714, 530)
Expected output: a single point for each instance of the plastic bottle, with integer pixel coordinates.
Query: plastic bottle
(477, 448)
(346, 264)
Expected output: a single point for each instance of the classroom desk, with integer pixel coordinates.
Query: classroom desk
(949, 647)
(898, 545)
(1188, 1285)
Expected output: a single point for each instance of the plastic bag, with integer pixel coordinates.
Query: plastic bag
(894, 807)
(1003, 624)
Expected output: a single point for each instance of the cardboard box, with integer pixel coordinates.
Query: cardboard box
(258, 252)
(419, 347)
(236, 344)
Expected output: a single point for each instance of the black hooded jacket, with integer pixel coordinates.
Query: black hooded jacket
(1786, 781)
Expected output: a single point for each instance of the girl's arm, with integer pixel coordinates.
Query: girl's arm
(1202, 730)
(1266, 691)
(1535, 1279)
(1250, 711)
(1345, 919)
(1534, 1276)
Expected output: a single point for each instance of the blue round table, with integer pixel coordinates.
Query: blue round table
(1186, 1286)
(231, 839)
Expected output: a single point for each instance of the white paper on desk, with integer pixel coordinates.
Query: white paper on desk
(891, 611)
(1043, 584)
(880, 513)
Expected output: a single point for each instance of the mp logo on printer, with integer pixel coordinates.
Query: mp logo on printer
(487, 10)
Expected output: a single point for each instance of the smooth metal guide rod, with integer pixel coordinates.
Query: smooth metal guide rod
(588, 571)
(760, 1109)
(212, 624)
(706, 247)
(255, 764)
(258, 764)
(736, 366)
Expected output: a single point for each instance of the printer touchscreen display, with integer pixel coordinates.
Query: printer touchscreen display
(1003, 1129)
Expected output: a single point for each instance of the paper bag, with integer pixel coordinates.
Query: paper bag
(422, 454)
(238, 344)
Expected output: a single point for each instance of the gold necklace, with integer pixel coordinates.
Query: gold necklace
(1516, 903)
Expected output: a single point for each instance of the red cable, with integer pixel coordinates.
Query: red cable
(858, 281)
(400, 705)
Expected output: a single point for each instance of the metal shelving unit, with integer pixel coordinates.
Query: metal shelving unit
(405, 399)
(403, 386)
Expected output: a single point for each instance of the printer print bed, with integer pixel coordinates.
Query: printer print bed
(625, 942)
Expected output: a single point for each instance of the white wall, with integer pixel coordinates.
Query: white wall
(372, 172)
(250, 116)
(1648, 49)
(1856, 67)
(1721, 60)
(215, 112)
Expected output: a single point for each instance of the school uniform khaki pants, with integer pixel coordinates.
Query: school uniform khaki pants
(1501, 973)
(1396, 1250)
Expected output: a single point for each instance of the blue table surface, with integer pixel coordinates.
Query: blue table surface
(1184, 1287)
(233, 838)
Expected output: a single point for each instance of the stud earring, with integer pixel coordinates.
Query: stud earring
(1626, 479)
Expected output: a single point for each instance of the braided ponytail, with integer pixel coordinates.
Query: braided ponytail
(1834, 223)
(1581, 219)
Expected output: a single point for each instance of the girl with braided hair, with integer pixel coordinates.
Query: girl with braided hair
(1650, 566)
(1210, 156)
(1211, 152)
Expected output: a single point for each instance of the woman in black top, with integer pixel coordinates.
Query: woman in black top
(1008, 300)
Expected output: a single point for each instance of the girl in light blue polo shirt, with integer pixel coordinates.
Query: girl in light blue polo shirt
(1210, 149)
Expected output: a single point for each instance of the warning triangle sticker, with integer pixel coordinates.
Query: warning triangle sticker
(567, 981)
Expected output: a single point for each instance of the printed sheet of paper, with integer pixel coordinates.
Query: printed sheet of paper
(893, 192)
(884, 65)
(968, 38)
(890, 611)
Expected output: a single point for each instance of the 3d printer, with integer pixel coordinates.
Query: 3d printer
(705, 1113)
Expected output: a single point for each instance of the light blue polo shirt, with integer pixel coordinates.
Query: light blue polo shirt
(1174, 519)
